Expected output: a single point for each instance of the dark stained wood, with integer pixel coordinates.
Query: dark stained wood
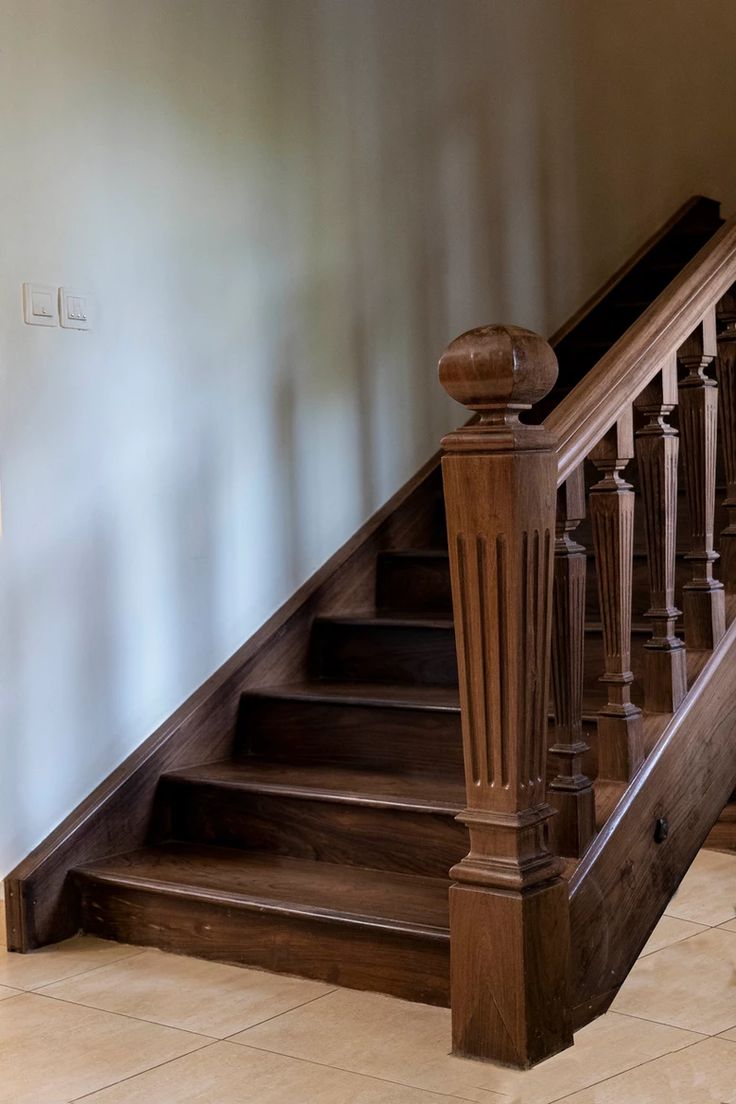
(385, 649)
(703, 596)
(42, 905)
(626, 879)
(586, 414)
(620, 736)
(726, 374)
(373, 726)
(327, 756)
(388, 821)
(570, 791)
(364, 929)
(509, 912)
(657, 449)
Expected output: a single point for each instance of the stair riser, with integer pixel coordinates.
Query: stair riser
(351, 954)
(388, 654)
(413, 583)
(383, 838)
(380, 653)
(374, 737)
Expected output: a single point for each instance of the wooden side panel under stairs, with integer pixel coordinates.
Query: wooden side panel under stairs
(303, 810)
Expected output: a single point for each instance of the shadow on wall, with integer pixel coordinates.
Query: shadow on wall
(290, 209)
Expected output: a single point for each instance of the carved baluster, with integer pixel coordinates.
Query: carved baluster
(620, 735)
(509, 911)
(570, 792)
(726, 373)
(703, 597)
(657, 445)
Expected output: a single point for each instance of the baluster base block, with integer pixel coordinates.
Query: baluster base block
(509, 961)
(727, 565)
(620, 743)
(665, 673)
(704, 609)
(573, 829)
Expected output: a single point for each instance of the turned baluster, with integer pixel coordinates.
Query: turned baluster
(570, 791)
(620, 733)
(726, 374)
(509, 911)
(657, 445)
(703, 597)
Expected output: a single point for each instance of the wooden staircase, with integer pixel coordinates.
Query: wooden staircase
(300, 814)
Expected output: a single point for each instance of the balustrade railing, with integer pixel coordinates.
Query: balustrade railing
(515, 499)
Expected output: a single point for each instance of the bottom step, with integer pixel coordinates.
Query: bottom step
(365, 929)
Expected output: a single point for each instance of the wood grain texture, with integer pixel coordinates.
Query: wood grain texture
(726, 376)
(508, 990)
(570, 790)
(620, 734)
(626, 879)
(43, 905)
(586, 414)
(657, 450)
(703, 595)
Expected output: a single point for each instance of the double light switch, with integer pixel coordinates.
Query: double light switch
(44, 305)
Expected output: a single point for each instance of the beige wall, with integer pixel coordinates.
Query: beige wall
(284, 209)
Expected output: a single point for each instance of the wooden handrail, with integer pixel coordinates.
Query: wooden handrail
(514, 494)
(585, 415)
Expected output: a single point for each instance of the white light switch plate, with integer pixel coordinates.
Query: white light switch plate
(39, 305)
(75, 309)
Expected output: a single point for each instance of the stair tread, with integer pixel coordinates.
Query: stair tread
(276, 883)
(403, 696)
(332, 783)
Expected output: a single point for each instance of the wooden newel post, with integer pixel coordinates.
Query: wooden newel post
(509, 911)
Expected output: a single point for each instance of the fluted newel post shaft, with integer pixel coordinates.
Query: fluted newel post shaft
(703, 597)
(726, 374)
(509, 910)
(620, 732)
(570, 791)
(657, 447)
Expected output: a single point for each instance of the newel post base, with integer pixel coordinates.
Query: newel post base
(509, 909)
(510, 943)
(509, 1002)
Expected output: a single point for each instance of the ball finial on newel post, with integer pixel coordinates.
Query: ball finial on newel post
(509, 994)
(498, 371)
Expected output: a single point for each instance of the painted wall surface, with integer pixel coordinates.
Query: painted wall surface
(284, 209)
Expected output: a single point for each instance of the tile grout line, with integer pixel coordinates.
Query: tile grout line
(372, 1076)
(80, 973)
(677, 943)
(276, 1015)
(141, 1073)
(123, 1015)
(160, 1023)
(621, 1073)
(664, 1023)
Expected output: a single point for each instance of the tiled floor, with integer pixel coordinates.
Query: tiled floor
(106, 1024)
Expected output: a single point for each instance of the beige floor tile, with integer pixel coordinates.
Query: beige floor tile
(381, 1037)
(5, 992)
(670, 930)
(606, 1047)
(690, 985)
(188, 993)
(730, 925)
(52, 1052)
(701, 1074)
(60, 960)
(387, 1038)
(707, 894)
(731, 1033)
(229, 1074)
